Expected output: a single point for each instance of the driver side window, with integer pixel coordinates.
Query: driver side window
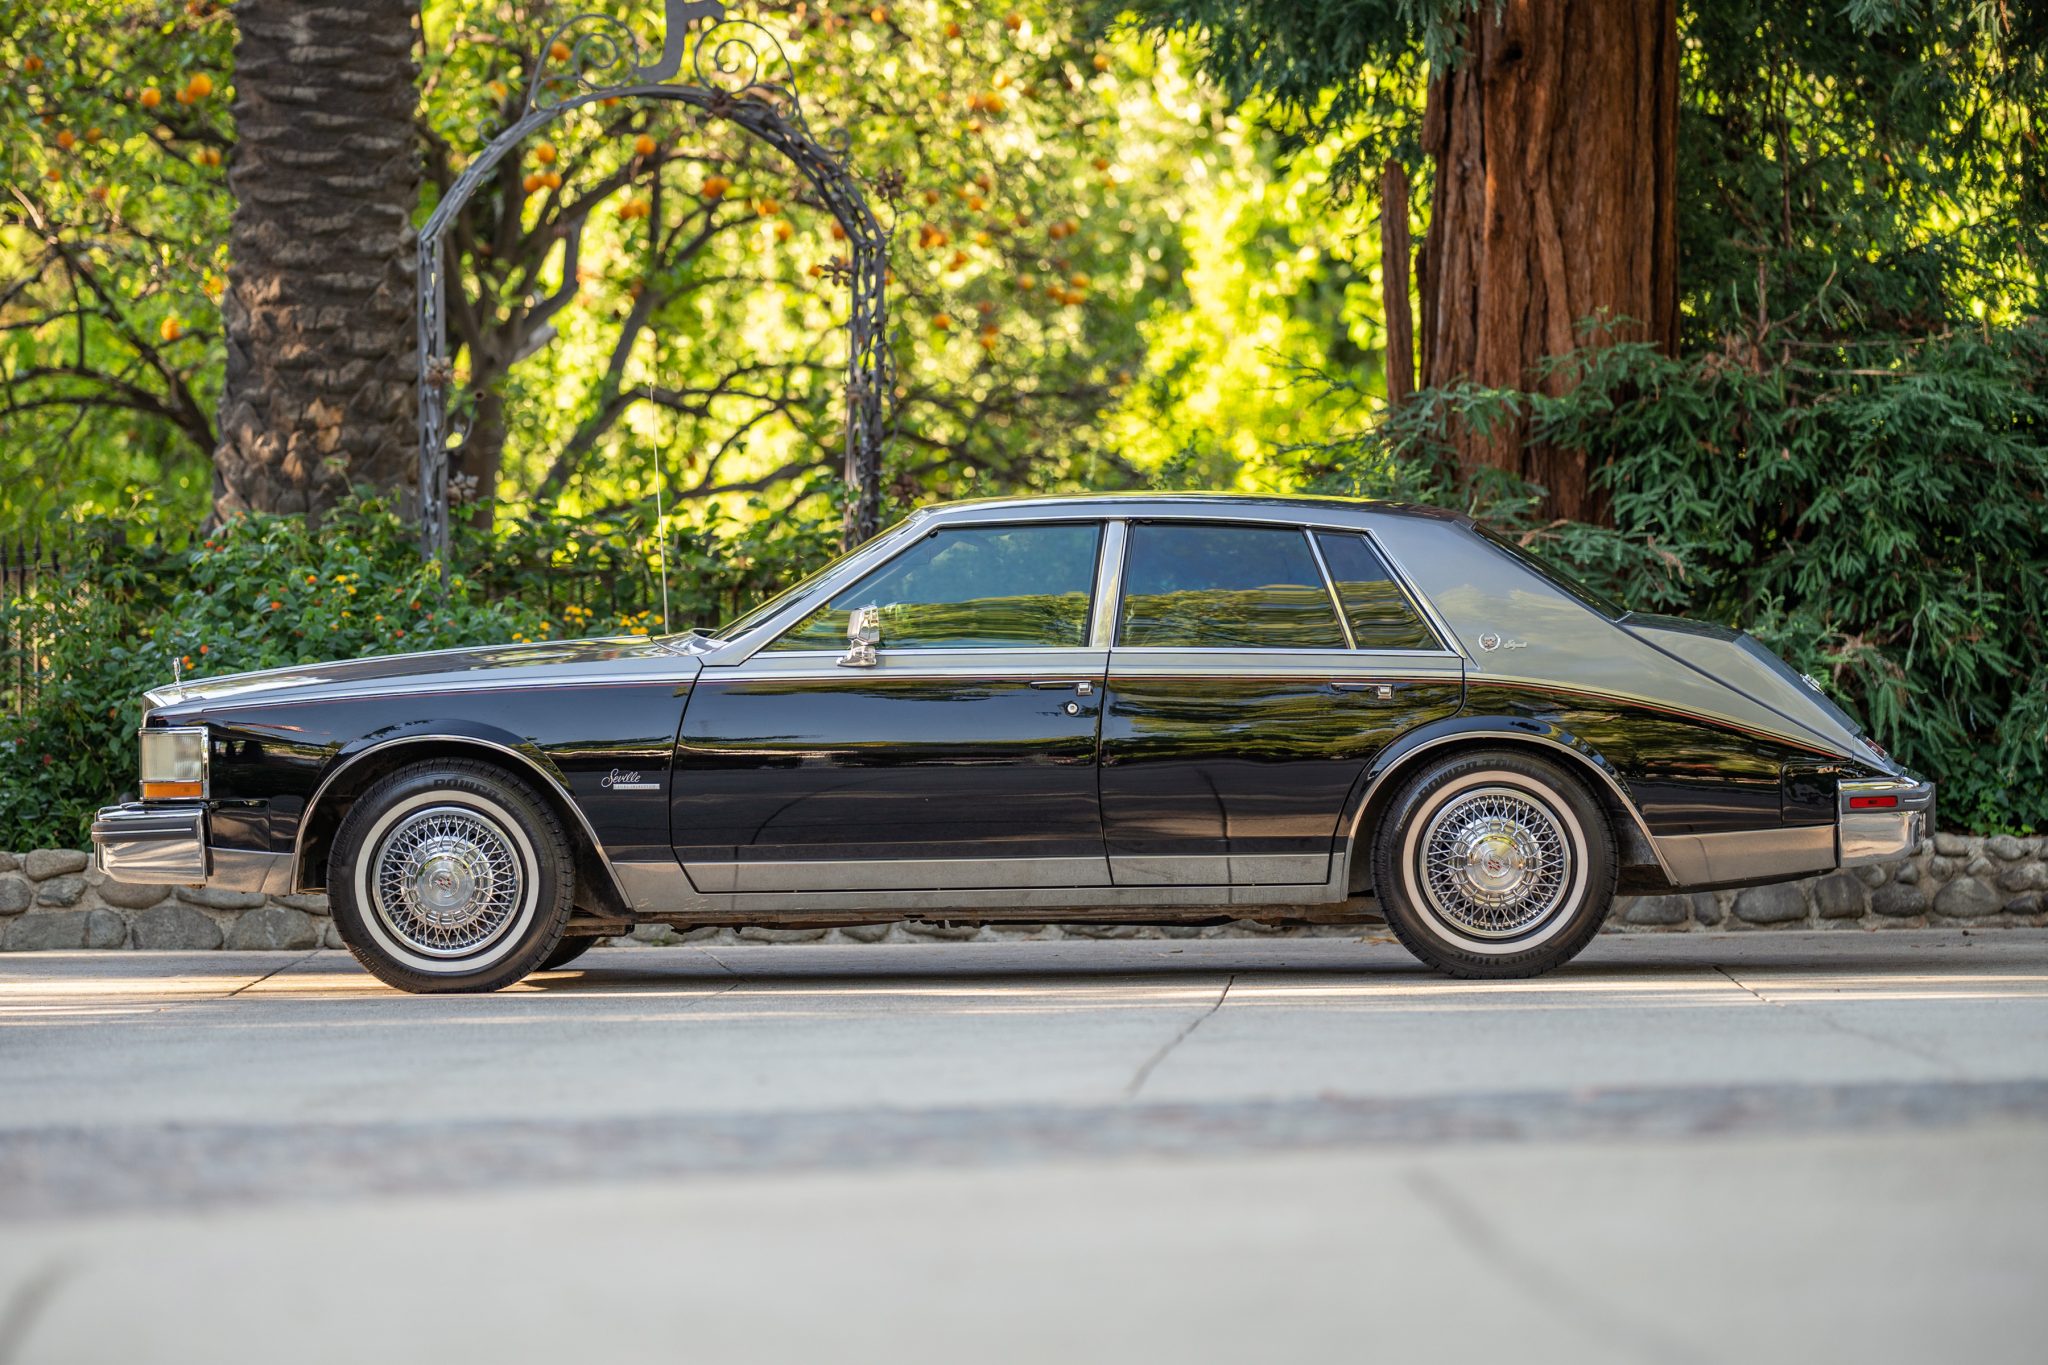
(975, 587)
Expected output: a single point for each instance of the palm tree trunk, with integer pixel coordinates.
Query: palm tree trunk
(320, 390)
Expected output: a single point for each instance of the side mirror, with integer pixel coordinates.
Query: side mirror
(863, 633)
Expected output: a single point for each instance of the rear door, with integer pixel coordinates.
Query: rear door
(1247, 690)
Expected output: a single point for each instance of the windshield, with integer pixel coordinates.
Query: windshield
(1557, 577)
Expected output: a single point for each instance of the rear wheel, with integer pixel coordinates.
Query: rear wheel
(1494, 864)
(450, 875)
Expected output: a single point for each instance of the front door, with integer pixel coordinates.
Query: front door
(1244, 705)
(963, 758)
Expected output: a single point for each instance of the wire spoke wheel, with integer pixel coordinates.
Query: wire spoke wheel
(446, 881)
(1495, 863)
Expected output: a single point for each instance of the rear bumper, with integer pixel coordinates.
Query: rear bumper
(166, 845)
(1882, 818)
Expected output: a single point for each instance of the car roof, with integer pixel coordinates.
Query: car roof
(1204, 505)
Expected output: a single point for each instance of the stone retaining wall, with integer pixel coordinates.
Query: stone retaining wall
(53, 898)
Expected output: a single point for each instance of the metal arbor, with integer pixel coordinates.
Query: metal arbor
(733, 69)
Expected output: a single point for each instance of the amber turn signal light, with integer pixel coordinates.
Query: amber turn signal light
(163, 791)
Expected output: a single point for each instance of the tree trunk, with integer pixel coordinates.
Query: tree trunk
(1400, 354)
(321, 390)
(1555, 143)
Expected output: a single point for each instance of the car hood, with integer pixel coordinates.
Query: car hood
(1737, 661)
(539, 663)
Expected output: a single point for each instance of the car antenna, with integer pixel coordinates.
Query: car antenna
(660, 525)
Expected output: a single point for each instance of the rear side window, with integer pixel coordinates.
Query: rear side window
(1380, 614)
(1224, 587)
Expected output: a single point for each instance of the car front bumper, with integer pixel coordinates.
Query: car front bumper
(167, 845)
(1882, 818)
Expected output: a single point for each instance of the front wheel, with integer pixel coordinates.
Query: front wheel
(1494, 864)
(450, 875)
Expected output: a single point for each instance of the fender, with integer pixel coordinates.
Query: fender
(1519, 731)
(463, 733)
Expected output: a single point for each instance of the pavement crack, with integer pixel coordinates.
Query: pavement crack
(719, 960)
(252, 985)
(1538, 1280)
(19, 1312)
(1144, 1073)
(1827, 1020)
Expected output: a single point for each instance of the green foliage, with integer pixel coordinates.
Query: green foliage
(113, 243)
(263, 592)
(1877, 513)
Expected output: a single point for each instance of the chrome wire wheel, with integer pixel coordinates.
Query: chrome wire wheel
(446, 881)
(1494, 861)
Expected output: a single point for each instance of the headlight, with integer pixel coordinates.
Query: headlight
(173, 763)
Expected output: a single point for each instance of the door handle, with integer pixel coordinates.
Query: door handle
(1380, 691)
(1080, 685)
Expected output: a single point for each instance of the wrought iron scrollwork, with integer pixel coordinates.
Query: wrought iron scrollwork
(736, 70)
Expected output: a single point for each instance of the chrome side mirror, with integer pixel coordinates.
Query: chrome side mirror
(863, 633)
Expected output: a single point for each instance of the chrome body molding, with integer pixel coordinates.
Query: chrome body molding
(526, 761)
(1870, 833)
(242, 869)
(1268, 870)
(661, 890)
(1748, 855)
(897, 874)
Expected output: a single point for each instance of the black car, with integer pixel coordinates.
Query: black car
(1144, 709)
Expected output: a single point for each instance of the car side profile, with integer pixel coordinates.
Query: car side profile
(1127, 709)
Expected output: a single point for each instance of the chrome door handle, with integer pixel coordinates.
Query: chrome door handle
(1380, 691)
(1080, 685)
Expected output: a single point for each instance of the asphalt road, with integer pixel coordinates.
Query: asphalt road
(1756, 1146)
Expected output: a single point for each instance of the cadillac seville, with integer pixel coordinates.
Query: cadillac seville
(1133, 709)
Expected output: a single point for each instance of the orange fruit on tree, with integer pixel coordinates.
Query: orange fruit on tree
(768, 207)
(880, 14)
(941, 323)
(643, 145)
(499, 90)
(200, 86)
(93, 135)
(952, 30)
(1102, 61)
(838, 231)
(67, 139)
(551, 180)
(151, 97)
(715, 186)
(783, 231)
(531, 184)
(1013, 21)
(170, 329)
(31, 64)
(53, 175)
(545, 154)
(559, 50)
(209, 156)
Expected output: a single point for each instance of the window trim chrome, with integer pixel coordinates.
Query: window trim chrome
(1308, 533)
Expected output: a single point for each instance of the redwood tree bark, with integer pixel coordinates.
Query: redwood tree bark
(321, 390)
(1555, 142)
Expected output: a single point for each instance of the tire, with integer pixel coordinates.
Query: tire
(451, 875)
(1494, 864)
(569, 949)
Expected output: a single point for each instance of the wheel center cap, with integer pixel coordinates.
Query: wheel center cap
(1495, 863)
(445, 886)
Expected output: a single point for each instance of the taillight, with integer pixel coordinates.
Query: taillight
(1873, 803)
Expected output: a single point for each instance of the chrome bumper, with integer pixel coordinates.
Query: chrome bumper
(1882, 818)
(151, 845)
